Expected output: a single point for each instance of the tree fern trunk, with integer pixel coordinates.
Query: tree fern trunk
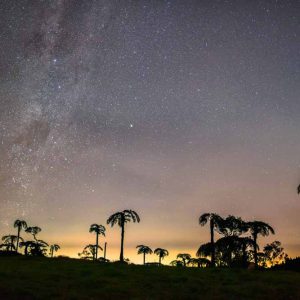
(144, 258)
(19, 229)
(255, 251)
(212, 243)
(122, 244)
(97, 243)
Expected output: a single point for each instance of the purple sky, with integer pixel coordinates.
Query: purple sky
(170, 108)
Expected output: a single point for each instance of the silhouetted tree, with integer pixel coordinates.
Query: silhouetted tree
(256, 228)
(232, 226)
(20, 224)
(225, 248)
(274, 252)
(245, 243)
(85, 254)
(231, 246)
(39, 248)
(184, 257)
(34, 230)
(162, 253)
(89, 251)
(215, 222)
(176, 263)
(121, 218)
(199, 262)
(289, 264)
(261, 259)
(205, 251)
(104, 254)
(9, 241)
(29, 245)
(98, 229)
(6, 247)
(142, 249)
(232, 250)
(34, 248)
(53, 248)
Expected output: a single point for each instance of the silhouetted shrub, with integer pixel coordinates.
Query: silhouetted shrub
(63, 257)
(9, 253)
(292, 264)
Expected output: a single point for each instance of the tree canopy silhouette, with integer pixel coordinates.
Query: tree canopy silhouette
(142, 249)
(245, 243)
(34, 248)
(19, 224)
(199, 262)
(259, 228)
(233, 226)
(54, 248)
(9, 242)
(39, 248)
(176, 263)
(184, 257)
(99, 230)
(204, 250)
(274, 252)
(29, 245)
(34, 230)
(232, 248)
(161, 253)
(89, 251)
(215, 223)
(121, 218)
(232, 245)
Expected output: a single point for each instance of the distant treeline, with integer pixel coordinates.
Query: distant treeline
(237, 245)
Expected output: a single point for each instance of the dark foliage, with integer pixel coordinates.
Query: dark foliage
(291, 264)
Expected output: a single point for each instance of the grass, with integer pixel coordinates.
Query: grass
(43, 278)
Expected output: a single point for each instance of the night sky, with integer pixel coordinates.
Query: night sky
(169, 108)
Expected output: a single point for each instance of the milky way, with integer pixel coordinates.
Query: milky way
(171, 108)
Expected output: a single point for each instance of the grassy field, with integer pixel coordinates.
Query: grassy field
(42, 278)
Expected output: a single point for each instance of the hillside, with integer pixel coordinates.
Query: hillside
(43, 278)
